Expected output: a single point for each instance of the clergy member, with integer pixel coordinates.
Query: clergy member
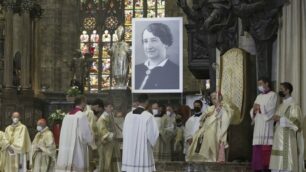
(164, 147)
(140, 134)
(18, 145)
(2, 151)
(108, 148)
(167, 134)
(75, 138)
(158, 111)
(43, 149)
(93, 113)
(192, 124)
(178, 148)
(261, 115)
(92, 119)
(210, 141)
(287, 151)
(97, 107)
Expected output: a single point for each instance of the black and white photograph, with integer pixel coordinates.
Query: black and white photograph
(157, 55)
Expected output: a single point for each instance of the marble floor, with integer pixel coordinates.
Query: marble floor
(202, 167)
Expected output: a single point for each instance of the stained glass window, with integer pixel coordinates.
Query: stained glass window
(99, 20)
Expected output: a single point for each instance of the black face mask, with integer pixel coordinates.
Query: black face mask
(281, 94)
(197, 109)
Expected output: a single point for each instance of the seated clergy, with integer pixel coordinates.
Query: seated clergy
(210, 141)
(43, 149)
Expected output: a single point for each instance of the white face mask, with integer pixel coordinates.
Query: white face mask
(15, 120)
(155, 111)
(39, 128)
(261, 89)
(168, 113)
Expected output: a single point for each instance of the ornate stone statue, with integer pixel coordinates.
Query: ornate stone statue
(260, 19)
(218, 22)
(78, 68)
(212, 25)
(120, 52)
(216, 18)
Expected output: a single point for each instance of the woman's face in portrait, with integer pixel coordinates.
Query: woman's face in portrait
(153, 46)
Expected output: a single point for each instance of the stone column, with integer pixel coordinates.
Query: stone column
(47, 36)
(190, 82)
(2, 25)
(68, 42)
(8, 50)
(26, 48)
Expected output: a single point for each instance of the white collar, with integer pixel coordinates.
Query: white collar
(44, 129)
(288, 100)
(141, 107)
(162, 64)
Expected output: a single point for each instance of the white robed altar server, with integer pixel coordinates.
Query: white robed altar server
(75, 138)
(192, 125)
(288, 143)
(140, 134)
(261, 115)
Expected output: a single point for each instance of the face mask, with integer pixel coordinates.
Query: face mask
(197, 109)
(39, 128)
(15, 120)
(281, 94)
(155, 111)
(168, 113)
(261, 89)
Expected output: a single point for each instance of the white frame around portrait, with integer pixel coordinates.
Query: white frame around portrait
(136, 22)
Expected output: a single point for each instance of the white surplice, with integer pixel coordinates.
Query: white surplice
(192, 125)
(288, 146)
(75, 138)
(263, 129)
(140, 134)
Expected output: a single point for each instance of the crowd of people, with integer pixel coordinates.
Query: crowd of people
(153, 131)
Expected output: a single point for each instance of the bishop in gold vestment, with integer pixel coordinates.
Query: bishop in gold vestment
(18, 145)
(287, 151)
(211, 139)
(43, 149)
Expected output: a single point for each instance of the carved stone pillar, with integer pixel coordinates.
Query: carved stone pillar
(26, 48)
(47, 44)
(2, 25)
(68, 42)
(8, 50)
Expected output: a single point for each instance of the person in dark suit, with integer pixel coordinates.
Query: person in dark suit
(157, 72)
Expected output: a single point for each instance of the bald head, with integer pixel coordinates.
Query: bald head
(15, 115)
